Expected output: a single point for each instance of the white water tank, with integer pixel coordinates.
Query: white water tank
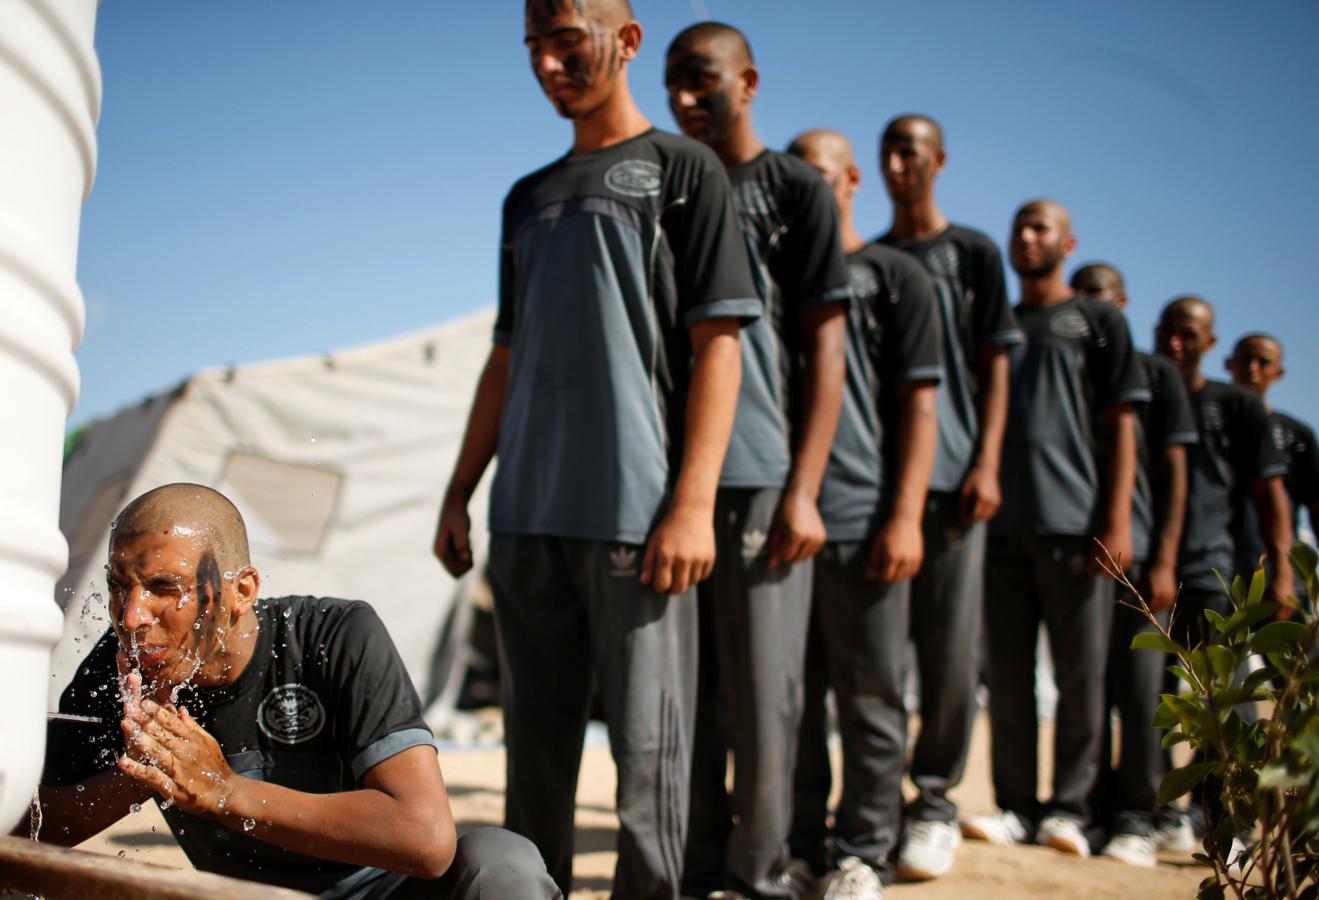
(50, 97)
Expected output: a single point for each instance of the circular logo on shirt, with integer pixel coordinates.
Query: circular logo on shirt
(862, 281)
(291, 714)
(1069, 325)
(943, 259)
(634, 178)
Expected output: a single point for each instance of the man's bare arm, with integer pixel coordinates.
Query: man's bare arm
(1171, 504)
(453, 531)
(399, 820)
(72, 813)
(1275, 523)
(681, 550)
(798, 532)
(1120, 427)
(981, 494)
(899, 547)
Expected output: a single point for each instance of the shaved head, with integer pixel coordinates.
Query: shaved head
(189, 510)
(726, 42)
(1258, 336)
(1049, 209)
(914, 126)
(610, 13)
(1099, 280)
(1187, 306)
(824, 143)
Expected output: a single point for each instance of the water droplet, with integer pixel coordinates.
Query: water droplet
(249, 824)
(121, 854)
(81, 788)
(135, 807)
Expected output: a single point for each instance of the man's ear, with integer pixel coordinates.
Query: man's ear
(750, 79)
(247, 587)
(1069, 243)
(940, 157)
(631, 35)
(1120, 301)
(853, 176)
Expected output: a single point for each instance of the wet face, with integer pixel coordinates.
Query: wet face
(169, 603)
(576, 60)
(1256, 363)
(1184, 337)
(705, 91)
(909, 160)
(1039, 243)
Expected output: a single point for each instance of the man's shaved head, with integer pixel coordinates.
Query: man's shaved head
(823, 142)
(1098, 279)
(191, 510)
(610, 13)
(914, 126)
(1258, 336)
(727, 42)
(1050, 209)
(1187, 306)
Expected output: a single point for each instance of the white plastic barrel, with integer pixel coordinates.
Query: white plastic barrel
(50, 97)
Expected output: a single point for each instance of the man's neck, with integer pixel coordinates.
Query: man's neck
(1194, 378)
(918, 221)
(237, 648)
(616, 120)
(740, 146)
(1046, 290)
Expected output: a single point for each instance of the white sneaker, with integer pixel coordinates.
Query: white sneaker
(1238, 857)
(1177, 838)
(1002, 827)
(927, 850)
(1064, 835)
(854, 880)
(1132, 849)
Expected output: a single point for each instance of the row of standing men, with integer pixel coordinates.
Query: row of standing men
(734, 438)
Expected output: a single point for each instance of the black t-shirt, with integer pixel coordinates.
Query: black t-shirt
(1295, 440)
(323, 699)
(790, 224)
(892, 337)
(1164, 421)
(1235, 448)
(1076, 363)
(607, 260)
(973, 308)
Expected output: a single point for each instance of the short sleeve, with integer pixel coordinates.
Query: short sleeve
(993, 322)
(1304, 467)
(75, 751)
(1264, 458)
(377, 711)
(1170, 411)
(810, 267)
(712, 269)
(913, 317)
(507, 285)
(1115, 367)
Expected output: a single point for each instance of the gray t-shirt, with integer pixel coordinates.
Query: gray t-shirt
(1077, 362)
(1235, 448)
(975, 314)
(607, 260)
(1164, 421)
(892, 338)
(1296, 442)
(790, 224)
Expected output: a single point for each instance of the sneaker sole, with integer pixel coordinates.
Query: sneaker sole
(911, 873)
(1142, 864)
(976, 834)
(1063, 845)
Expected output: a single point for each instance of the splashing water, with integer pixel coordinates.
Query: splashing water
(249, 824)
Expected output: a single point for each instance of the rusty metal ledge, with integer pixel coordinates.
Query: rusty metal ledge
(57, 873)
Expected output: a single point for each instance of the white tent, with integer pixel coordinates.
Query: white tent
(337, 463)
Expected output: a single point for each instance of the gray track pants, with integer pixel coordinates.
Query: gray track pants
(489, 864)
(947, 600)
(567, 610)
(1031, 579)
(863, 626)
(750, 703)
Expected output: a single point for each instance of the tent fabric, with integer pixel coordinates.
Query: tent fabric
(338, 464)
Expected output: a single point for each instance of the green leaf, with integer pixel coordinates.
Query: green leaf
(1181, 673)
(1223, 660)
(1305, 561)
(1173, 738)
(1165, 717)
(1210, 889)
(1279, 636)
(1237, 593)
(1256, 588)
(1153, 640)
(1179, 781)
(1216, 619)
(1250, 615)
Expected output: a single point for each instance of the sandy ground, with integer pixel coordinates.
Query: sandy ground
(476, 780)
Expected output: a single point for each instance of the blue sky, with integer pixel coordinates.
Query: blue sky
(280, 179)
